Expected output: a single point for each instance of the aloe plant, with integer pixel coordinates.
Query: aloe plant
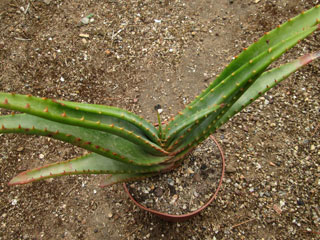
(124, 145)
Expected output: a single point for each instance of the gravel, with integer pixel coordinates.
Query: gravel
(187, 188)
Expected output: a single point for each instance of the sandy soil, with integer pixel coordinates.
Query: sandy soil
(134, 55)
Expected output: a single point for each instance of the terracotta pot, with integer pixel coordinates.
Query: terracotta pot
(183, 217)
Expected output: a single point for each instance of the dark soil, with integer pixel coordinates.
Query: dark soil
(134, 55)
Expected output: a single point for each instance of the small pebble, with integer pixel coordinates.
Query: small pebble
(170, 182)
(84, 35)
(300, 202)
(203, 167)
(108, 52)
(230, 169)
(158, 192)
(174, 199)
(190, 171)
(87, 19)
(145, 190)
(172, 190)
(14, 202)
(20, 149)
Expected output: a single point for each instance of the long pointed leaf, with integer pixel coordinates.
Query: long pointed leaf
(119, 113)
(230, 89)
(264, 83)
(59, 112)
(88, 164)
(102, 143)
(286, 30)
(267, 81)
(189, 121)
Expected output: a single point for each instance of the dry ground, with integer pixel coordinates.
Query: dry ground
(136, 54)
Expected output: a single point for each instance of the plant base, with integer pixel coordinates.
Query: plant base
(183, 217)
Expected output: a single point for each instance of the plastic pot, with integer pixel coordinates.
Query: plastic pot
(183, 217)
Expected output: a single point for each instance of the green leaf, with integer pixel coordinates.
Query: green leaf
(117, 113)
(188, 121)
(88, 164)
(103, 143)
(264, 83)
(287, 30)
(104, 120)
(230, 89)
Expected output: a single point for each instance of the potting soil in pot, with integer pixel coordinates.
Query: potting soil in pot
(186, 188)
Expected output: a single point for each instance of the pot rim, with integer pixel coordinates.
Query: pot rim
(181, 217)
